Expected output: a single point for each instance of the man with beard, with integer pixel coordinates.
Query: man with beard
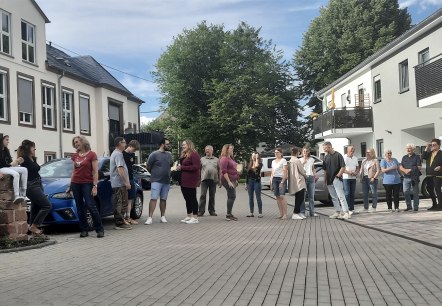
(159, 164)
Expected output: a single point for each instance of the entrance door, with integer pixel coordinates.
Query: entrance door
(114, 125)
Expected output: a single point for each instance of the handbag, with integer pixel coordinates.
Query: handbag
(176, 176)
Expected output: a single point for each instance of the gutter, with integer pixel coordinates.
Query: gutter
(60, 112)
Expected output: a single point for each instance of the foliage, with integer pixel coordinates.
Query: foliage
(228, 87)
(8, 243)
(345, 33)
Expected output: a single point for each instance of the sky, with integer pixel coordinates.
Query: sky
(131, 35)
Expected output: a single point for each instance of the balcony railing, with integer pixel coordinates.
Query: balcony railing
(362, 100)
(345, 118)
(429, 78)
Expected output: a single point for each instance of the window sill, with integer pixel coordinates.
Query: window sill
(404, 90)
(6, 54)
(30, 63)
(377, 101)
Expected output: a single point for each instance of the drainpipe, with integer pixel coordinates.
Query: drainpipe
(60, 112)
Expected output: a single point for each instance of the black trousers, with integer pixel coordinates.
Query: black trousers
(392, 192)
(299, 199)
(435, 184)
(40, 205)
(189, 195)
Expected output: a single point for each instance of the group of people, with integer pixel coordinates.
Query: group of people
(342, 173)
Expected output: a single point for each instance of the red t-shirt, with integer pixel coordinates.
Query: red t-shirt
(83, 167)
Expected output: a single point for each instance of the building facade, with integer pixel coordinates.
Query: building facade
(48, 96)
(392, 98)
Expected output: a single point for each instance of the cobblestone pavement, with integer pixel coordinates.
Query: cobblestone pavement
(317, 261)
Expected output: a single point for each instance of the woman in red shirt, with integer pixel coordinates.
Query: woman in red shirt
(229, 178)
(84, 182)
(190, 165)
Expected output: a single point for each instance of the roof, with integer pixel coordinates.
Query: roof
(377, 55)
(87, 69)
(40, 11)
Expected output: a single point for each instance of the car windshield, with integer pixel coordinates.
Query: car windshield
(57, 168)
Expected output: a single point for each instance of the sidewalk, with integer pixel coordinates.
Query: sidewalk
(317, 261)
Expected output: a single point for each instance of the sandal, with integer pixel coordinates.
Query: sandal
(40, 235)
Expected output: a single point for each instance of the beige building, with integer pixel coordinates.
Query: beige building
(392, 98)
(48, 96)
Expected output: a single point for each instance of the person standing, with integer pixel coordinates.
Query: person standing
(209, 179)
(159, 164)
(40, 205)
(308, 163)
(370, 171)
(84, 185)
(391, 180)
(119, 178)
(253, 184)
(129, 159)
(297, 183)
(349, 176)
(334, 167)
(12, 167)
(190, 166)
(278, 182)
(410, 167)
(229, 178)
(433, 156)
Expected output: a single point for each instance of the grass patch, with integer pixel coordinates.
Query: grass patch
(8, 243)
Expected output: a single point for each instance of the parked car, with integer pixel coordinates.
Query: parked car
(142, 176)
(322, 195)
(56, 176)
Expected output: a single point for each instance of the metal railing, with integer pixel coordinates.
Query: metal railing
(429, 77)
(345, 118)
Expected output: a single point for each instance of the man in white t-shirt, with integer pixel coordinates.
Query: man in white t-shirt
(349, 176)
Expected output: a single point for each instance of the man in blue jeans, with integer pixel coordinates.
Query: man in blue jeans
(410, 167)
(349, 176)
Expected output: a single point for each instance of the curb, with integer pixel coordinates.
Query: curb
(28, 247)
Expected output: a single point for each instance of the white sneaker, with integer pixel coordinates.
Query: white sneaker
(345, 216)
(315, 215)
(163, 219)
(185, 219)
(390, 210)
(335, 215)
(192, 221)
(397, 210)
(373, 210)
(350, 212)
(297, 217)
(148, 221)
(302, 216)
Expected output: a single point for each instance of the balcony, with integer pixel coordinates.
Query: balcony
(344, 122)
(429, 83)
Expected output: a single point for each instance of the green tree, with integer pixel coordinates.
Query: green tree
(229, 87)
(344, 34)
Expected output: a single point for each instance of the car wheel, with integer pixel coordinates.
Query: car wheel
(137, 207)
(145, 184)
(424, 189)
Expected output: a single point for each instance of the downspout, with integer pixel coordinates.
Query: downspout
(60, 111)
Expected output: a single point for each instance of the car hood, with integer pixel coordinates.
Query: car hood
(55, 185)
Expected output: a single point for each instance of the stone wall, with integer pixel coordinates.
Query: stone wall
(13, 218)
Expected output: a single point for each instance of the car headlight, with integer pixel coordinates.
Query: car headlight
(63, 195)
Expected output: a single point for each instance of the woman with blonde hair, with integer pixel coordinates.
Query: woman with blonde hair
(229, 178)
(190, 165)
(369, 173)
(278, 182)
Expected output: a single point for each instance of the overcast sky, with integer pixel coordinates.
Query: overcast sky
(131, 35)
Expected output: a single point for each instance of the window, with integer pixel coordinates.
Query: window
(380, 147)
(361, 95)
(377, 89)
(48, 104)
(68, 114)
(363, 149)
(25, 100)
(28, 42)
(134, 127)
(403, 76)
(424, 56)
(343, 100)
(3, 96)
(49, 156)
(5, 32)
(68, 154)
(84, 115)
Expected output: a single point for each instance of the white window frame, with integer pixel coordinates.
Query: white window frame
(404, 80)
(48, 109)
(26, 118)
(4, 94)
(48, 156)
(28, 42)
(4, 33)
(377, 79)
(343, 99)
(68, 112)
(423, 56)
(85, 112)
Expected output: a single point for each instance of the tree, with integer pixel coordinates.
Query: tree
(229, 87)
(344, 34)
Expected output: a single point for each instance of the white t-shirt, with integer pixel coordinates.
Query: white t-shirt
(278, 167)
(351, 163)
(308, 165)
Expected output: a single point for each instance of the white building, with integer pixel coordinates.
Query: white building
(392, 98)
(48, 96)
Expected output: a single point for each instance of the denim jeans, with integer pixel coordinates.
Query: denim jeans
(349, 190)
(84, 201)
(411, 190)
(254, 188)
(338, 196)
(211, 186)
(310, 193)
(231, 195)
(368, 186)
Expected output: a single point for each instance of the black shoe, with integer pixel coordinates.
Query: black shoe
(100, 234)
(434, 207)
(438, 207)
(201, 214)
(213, 214)
(407, 209)
(84, 234)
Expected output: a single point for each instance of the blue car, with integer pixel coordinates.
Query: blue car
(56, 175)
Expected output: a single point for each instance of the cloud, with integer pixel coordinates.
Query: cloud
(143, 88)
(145, 120)
(423, 4)
(308, 7)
